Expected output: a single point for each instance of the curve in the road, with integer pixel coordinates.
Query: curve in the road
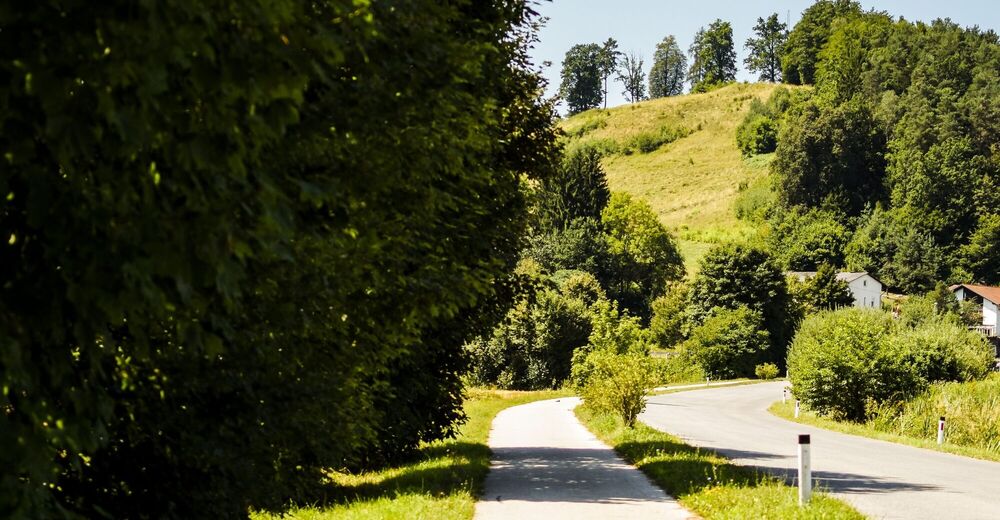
(881, 479)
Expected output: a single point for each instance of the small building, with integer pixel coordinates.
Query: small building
(867, 291)
(985, 296)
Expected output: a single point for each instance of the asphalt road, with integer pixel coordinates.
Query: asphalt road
(546, 466)
(881, 479)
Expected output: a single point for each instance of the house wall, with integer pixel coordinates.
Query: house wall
(867, 292)
(989, 313)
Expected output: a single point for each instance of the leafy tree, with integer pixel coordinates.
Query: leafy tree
(644, 254)
(730, 343)
(619, 384)
(582, 71)
(582, 245)
(765, 50)
(607, 63)
(666, 326)
(733, 275)
(533, 347)
(802, 240)
(801, 51)
(713, 58)
(632, 77)
(841, 362)
(212, 216)
(578, 190)
(824, 291)
(831, 156)
(669, 66)
(981, 256)
(613, 332)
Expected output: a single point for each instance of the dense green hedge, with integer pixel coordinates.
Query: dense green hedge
(244, 241)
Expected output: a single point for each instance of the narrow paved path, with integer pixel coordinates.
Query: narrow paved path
(546, 465)
(881, 479)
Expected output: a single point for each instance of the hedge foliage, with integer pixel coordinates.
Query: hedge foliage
(244, 242)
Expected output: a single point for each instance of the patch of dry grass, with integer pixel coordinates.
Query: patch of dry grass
(694, 182)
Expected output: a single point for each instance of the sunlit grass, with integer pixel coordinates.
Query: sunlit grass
(694, 182)
(705, 482)
(442, 483)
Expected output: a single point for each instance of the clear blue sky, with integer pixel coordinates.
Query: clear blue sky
(639, 25)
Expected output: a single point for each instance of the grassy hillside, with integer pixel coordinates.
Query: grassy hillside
(693, 182)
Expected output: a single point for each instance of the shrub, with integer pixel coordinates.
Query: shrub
(766, 371)
(533, 347)
(648, 142)
(757, 135)
(843, 361)
(730, 343)
(666, 327)
(619, 383)
(677, 367)
(943, 350)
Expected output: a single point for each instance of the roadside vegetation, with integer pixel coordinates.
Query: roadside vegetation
(704, 481)
(443, 480)
(971, 411)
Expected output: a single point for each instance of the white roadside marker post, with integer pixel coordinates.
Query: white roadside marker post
(805, 470)
(941, 431)
(708, 381)
(796, 408)
(784, 395)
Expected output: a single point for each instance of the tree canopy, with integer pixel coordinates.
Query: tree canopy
(666, 78)
(226, 230)
(765, 48)
(713, 57)
(582, 74)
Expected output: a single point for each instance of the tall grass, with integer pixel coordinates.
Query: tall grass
(971, 409)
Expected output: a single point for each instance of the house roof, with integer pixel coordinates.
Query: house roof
(844, 276)
(985, 291)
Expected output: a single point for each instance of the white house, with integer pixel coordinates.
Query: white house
(988, 297)
(867, 291)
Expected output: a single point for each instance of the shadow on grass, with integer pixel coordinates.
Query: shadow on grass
(437, 471)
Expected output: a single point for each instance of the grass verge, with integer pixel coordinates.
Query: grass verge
(442, 483)
(705, 482)
(787, 411)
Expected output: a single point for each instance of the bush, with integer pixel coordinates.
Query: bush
(943, 350)
(677, 367)
(757, 135)
(843, 362)
(766, 371)
(223, 234)
(648, 142)
(619, 383)
(666, 327)
(533, 348)
(729, 344)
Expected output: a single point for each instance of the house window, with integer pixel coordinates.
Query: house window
(865, 282)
